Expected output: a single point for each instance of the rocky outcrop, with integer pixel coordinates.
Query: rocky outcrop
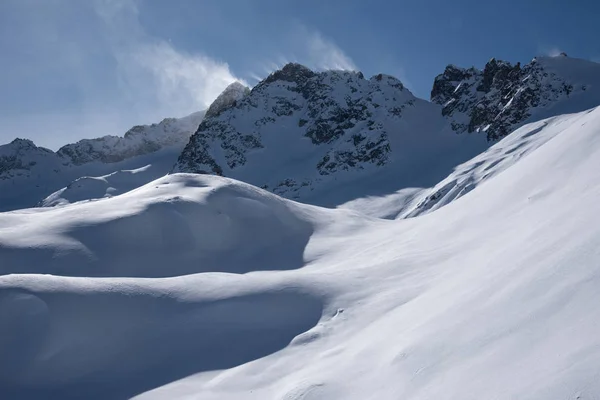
(502, 96)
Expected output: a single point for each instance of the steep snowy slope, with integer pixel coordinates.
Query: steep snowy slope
(412, 202)
(303, 134)
(502, 155)
(29, 173)
(504, 96)
(492, 296)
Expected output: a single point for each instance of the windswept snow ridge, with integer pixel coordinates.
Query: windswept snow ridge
(496, 159)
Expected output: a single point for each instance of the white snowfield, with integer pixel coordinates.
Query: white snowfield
(201, 287)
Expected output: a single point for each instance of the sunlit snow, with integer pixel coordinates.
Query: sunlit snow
(202, 287)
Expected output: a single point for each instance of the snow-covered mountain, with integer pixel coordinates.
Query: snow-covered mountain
(22, 158)
(139, 140)
(504, 96)
(329, 138)
(29, 173)
(203, 287)
(334, 137)
(232, 94)
(300, 133)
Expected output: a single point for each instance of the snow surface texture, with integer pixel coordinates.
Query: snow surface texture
(29, 173)
(492, 296)
(408, 203)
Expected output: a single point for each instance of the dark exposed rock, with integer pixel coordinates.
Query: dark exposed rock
(291, 72)
(496, 99)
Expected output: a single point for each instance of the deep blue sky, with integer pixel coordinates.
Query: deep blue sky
(75, 68)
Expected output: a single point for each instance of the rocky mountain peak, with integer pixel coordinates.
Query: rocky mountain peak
(496, 73)
(22, 143)
(21, 147)
(20, 156)
(335, 121)
(387, 79)
(232, 94)
(291, 72)
(503, 96)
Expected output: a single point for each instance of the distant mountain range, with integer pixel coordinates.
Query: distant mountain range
(29, 173)
(323, 137)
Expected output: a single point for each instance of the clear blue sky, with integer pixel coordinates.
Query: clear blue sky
(86, 68)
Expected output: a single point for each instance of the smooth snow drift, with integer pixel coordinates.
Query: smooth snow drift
(190, 223)
(493, 295)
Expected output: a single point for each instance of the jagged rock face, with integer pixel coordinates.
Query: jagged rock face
(499, 98)
(139, 140)
(333, 121)
(233, 93)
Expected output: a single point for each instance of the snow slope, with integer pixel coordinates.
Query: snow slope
(491, 296)
(29, 173)
(412, 202)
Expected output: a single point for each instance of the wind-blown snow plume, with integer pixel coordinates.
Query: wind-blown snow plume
(309, 47)
(175, 82)
(325, 54)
